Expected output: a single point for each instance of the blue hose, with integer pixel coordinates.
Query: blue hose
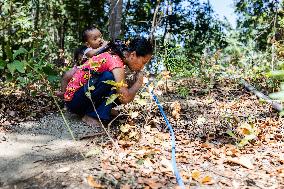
(176, 172)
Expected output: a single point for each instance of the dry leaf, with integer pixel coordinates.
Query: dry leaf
(133, 134)
(185, 175)
(200, 120)
(207, 180)
(116, 175)
(245, 162)
(125, 128)
(205, 145)
(153, 184)
(125, 186)
(147, 128)
(63, 170)
(93, 152)
(167, 164)
(93, 183)
(176, 109)
(195, 174)
(134, 114)
(178, 187)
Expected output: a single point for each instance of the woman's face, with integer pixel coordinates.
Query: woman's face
(137, 63)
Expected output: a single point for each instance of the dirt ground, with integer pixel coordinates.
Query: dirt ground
(42, 154)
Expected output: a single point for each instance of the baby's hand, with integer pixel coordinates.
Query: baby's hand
(105, 43)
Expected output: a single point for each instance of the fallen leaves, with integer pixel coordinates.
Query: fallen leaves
(207, 180)
(195, 174)
(93, 183)
(63, 170)
(152, 183)
(18, 107)
(176, 108)
(166, 164)
(93, 152)
(147, 160)
(243, 161)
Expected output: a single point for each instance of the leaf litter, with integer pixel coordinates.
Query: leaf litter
(206, 154)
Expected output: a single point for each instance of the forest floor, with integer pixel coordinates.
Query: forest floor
(40, 152)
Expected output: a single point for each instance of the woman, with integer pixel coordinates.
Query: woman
(93, 73)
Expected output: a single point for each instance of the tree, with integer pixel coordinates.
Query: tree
(115, 18)
(257, 19)
(202, 29)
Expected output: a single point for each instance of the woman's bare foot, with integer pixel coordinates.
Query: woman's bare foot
(90, 121)
(59, 94)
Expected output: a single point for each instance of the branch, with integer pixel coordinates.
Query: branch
(274, 104)
(154, 22)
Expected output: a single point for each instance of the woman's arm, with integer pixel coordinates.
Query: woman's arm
(127, 94)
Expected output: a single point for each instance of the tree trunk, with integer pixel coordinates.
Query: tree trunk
(62, 32)
(36, 15)
(115, 18)
(154, 21)
(126, 12)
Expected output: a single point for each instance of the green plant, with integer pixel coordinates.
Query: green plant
(244, 134)
(183, 91)
(27, 70)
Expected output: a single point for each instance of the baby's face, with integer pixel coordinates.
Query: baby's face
(95, 39)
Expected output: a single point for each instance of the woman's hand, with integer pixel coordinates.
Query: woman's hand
(127, 94)
(139, 78)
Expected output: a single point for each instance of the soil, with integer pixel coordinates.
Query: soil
(42, 153)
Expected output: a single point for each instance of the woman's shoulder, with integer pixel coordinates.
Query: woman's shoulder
(110, 56)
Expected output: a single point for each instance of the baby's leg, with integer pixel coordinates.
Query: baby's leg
(67, 76)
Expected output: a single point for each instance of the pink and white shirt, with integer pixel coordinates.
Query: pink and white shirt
(99, 63)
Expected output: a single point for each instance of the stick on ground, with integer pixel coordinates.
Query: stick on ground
(274, 104)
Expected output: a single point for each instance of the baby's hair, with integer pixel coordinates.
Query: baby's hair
(85, 32)
(77, 52)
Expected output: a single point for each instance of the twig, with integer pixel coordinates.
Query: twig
(109, 124)
(115, 144)
(57, 105)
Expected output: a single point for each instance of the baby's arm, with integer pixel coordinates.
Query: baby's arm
(94, 52)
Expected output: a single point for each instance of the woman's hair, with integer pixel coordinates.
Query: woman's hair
(141, 46)
(85, 32)
(77, 53)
